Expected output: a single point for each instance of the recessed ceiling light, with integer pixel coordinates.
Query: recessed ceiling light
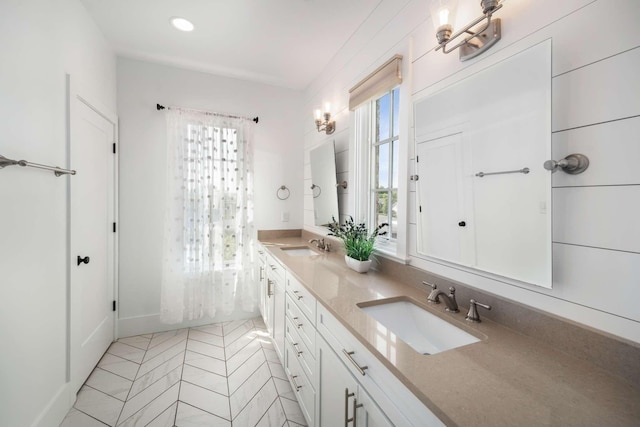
(182, 24)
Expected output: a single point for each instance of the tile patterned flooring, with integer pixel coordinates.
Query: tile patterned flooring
(224, 374)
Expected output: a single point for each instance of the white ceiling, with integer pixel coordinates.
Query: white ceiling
(281, 42)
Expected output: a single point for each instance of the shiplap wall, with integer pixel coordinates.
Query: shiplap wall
(596, 109)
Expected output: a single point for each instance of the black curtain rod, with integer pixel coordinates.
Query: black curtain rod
(255, 119)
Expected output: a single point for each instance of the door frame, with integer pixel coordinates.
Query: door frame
(76, 93)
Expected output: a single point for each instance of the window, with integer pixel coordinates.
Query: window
(384, 155)
(211, 165)
(380, 196)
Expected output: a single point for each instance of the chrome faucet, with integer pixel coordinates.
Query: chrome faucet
(449, 300)
(321, 244)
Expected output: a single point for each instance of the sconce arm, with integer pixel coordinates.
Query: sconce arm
(466, 30)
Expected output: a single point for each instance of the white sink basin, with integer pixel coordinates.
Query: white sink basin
(299, 251)
(423, 331)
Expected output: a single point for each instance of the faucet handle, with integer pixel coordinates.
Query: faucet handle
(430, 284)
(452, 294)
(472, 315)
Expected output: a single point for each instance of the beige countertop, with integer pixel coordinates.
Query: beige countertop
(506, 379)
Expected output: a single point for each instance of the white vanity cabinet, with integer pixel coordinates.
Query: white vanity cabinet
(336, 379)
(341, 399)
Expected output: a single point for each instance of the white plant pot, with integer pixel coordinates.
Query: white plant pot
(359, 266)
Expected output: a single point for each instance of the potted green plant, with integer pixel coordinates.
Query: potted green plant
(358, 242)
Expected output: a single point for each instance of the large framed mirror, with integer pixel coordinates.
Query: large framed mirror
(483, 195)
(323, 183)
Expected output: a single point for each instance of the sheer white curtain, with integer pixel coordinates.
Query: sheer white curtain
(208, 229)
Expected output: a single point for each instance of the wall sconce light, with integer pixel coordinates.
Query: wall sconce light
(323, 120)
(443, 14)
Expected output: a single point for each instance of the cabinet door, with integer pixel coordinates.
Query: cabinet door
(278, 317)
(367, 413)
(337, 388)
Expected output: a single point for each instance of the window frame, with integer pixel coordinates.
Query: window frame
(392, 141)
(363, 134)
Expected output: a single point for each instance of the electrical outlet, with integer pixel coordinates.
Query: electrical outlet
(284, 217)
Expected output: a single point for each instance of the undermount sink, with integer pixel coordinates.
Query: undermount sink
(424, 332)
(299, 251)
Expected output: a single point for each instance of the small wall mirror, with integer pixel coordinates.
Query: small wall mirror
(483, 195)
(323, 183)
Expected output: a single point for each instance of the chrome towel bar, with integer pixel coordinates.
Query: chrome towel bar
(523, 170)
(4, 162)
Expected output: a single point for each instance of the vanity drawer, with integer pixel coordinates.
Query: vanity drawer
(300, 383)
(306, 357)
(275, 269)
(305, 328)
(302, 297)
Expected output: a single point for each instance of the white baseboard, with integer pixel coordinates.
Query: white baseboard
(130, 326)
(57, 408)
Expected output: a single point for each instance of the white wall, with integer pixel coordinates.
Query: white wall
(595, 108)
(41, 42)
(142, 155)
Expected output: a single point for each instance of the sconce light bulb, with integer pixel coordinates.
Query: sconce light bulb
(327, 107)
(444, 16)
(318, 114)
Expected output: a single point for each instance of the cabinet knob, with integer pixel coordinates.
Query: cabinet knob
(462, 224)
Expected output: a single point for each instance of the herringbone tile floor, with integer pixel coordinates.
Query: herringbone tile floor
(224, 374)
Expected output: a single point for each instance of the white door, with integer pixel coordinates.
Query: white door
(92, 239)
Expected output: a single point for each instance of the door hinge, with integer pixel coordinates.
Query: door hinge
(114, 227)
(114, 305)
(114, 148)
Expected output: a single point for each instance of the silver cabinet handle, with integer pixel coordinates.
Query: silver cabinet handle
(356, 405)
(269, 291)
(360, 369)
(261, 273)
(297, 296)
(273, 267)
(347, 395)
(295, 384)
(298, 352)
(299, 325)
